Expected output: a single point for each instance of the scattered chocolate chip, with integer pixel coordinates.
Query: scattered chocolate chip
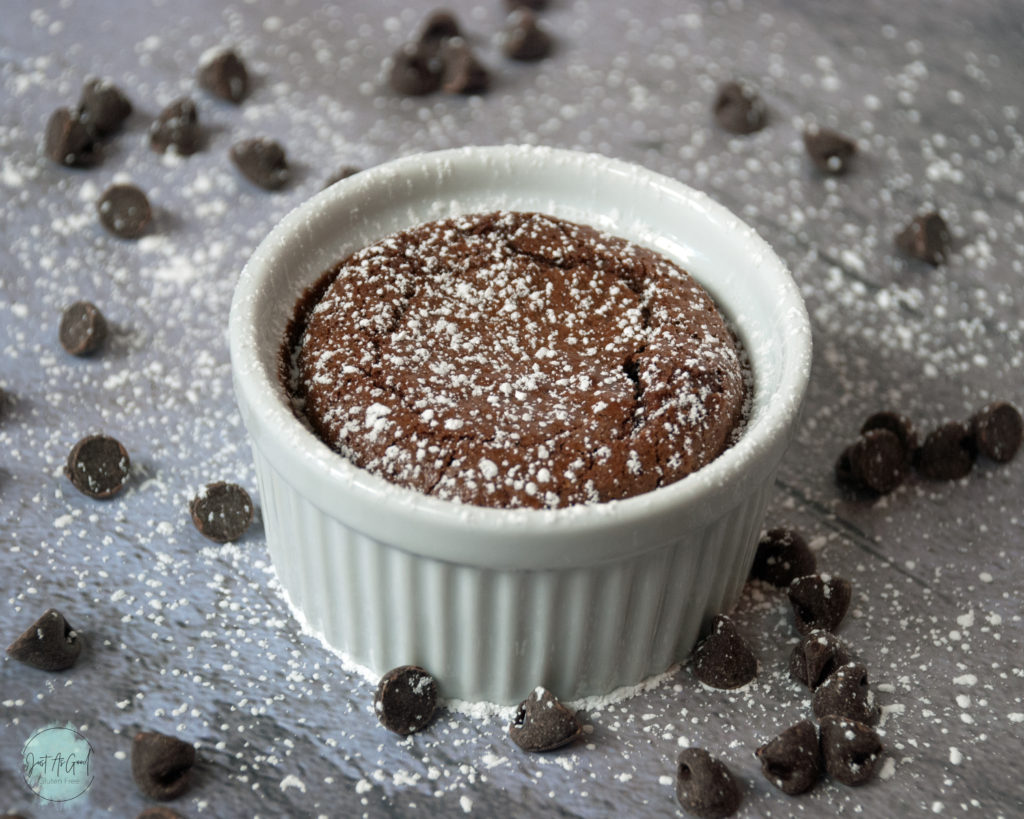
(926, 238)
(947, 453)
(524, 38)
(829, 150)
(224, 75)
(542, 723)
(98, 466)
(846, 694)
(221, 511)
(792, 761)
(344, 172)
(878, 461)
(816, 657)
(533, 5)
(49, 644)
(819, 601)
(262, 161)
(739, 109)
(124, 211)
(782, 556)
(415, 71)
(852, 750)
(103, 107)
(724, 659)
(463, 73)
(82, 328)
(406, 699)
(998, 429)
(898, 425)
(161, 764)
(68, 141)
(705, 787)
(159, 812)
(176, 128)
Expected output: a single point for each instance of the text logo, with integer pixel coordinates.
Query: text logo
(58, 763)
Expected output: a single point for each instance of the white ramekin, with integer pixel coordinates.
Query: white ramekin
(495, 602)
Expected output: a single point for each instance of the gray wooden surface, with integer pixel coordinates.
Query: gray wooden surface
(192, 639)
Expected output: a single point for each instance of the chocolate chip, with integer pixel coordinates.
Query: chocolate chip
(415, 71)
(724, 659)
(49, 644)
(438, 27)
(261, 161)
(542, 723)
(68, 141)
(926, 238)
(705, 787)
(176, 128)
(161, 765)
(103, 107)
(782, 556)
(533, 5)
(221, 511)
(947, 453)
(739, 109)
(998, 429)
(846, 694)
(406, 699)
(792, 761)
(524, 38)
(223, 74)
(82, 328)
(852, 750)
(816, 657)
(878, 461)
(463, 73)
(344, 172)
(98, 466)
(819, 601)
(124, 210)
(159, 812)
(829, 150)
(898, 425)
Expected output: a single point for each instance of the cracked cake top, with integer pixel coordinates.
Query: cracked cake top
(515, 359)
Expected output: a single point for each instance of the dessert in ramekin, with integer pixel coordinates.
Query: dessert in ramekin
(582, 599)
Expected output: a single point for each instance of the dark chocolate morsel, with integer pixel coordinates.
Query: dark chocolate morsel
(792, 761)
(819, 601)
(103, 107)
(947, 453)
(176, 128)
(542, 723)
(852, 750)
(406, 699)
(83, 329)
(927, 238)
(782, 556)
(878, 461)
(224, 75)
(463, 73)
(724, 659)
(998, 429)
(68, 141)
(98, 466)
(49, 644)
(262, 161)
(705, 787)
(344, 172)
(898, 425)
(415, 71)
(829, 150)
(124, 211)
(846, 694)
(816, 657)
(739, 109)
(161, 765)
(221, 511)
(525, 39)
